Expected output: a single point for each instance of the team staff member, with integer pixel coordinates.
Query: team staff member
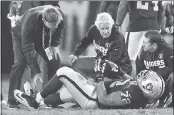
(157, 55)
(108, 42)
(38, 29)
(143, 16)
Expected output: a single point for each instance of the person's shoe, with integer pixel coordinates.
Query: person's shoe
(28, 90)
(12, 106)
(26, 100)
(44, 106)
(76, 106)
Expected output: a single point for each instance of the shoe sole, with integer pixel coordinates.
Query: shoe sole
(12, 108)
(17, 95)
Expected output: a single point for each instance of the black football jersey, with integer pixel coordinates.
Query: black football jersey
(131, 95)
(144, 14)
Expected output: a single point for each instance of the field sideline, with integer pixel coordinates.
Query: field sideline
(70, 111)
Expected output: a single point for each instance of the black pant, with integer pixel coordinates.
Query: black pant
(19, 66)
(17, 69)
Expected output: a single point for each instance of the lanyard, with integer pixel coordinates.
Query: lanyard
(43, 37)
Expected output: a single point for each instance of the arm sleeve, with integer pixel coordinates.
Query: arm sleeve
(168, 56)
(121, 12)
(141, 64)
(104, 6)
(85, 42)
(168, 59)
(114, 54)
(57, 36)
(28, 45)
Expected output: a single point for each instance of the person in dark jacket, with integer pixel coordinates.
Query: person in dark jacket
(37, 33)
(108, 42)
(157, 55)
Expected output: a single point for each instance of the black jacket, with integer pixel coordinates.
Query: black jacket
(160, 61)
(30, 29)
(113, 47)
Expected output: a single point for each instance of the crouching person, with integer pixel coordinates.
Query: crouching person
(157, 55)
(108, 43)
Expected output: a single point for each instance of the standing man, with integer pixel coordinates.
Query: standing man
(143, 16)
(36, 33)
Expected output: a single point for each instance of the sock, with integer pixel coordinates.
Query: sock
(51, 87)
(53, 100)
(39, 98)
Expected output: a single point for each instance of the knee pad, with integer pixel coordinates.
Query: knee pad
(53, 100)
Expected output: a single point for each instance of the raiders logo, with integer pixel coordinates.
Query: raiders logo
(107, 45)
(149, 87)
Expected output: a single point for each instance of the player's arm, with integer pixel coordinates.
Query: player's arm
(57, 36)
(28, 45)
(85, 42)
(104, 6)
(117, 69)
(113, 99)
(168, 59)
(141, 62)
(121, 12)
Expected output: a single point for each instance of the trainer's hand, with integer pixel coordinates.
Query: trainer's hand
(114, 67)
(98, 77)
(54, 51)
(72, 58)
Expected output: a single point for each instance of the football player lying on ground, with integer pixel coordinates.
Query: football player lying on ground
(157, 55)
(148, 87)
(108, 43)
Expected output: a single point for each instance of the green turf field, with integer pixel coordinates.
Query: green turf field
(70, 111)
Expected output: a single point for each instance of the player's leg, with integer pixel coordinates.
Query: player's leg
(60, 97)
(77, 86)
(53, 65)
(135, 42)
(16, 71)
(44, 71)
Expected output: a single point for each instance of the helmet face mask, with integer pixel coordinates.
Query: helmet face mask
(151, 84)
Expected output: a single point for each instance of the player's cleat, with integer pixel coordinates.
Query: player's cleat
(26, 100)
(44, 106)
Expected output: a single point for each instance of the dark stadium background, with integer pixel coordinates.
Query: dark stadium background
(6, 40)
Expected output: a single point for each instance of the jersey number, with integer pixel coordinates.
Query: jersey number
(126, 98)
(145, 6)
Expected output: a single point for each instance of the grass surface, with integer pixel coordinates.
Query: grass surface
(70, 111)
